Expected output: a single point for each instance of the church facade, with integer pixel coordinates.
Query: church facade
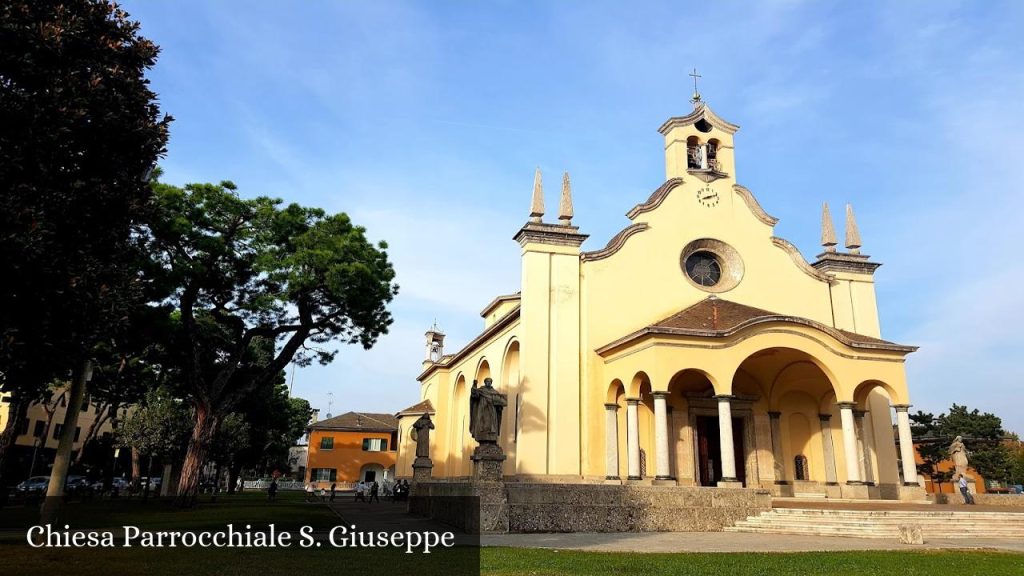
(696, 348)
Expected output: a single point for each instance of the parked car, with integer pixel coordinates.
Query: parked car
(76, 484)
(118, 483)
(154, 483)
(34, 485)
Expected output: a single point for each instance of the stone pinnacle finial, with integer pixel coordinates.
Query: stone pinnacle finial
(852, 234)
(828, 230)
(565, 205)
(537, 206)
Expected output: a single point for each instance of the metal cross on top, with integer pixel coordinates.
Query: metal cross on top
(696, 94)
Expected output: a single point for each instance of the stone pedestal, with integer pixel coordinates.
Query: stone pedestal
(729, 484)
(488, 460)
(912, 493)
(854, 490)
(421, 469)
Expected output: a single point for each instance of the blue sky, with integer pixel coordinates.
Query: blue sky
(425, 120)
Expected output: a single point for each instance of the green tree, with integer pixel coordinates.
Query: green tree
(260, 285)
(81, 130)
(159, 427)
(982, 434)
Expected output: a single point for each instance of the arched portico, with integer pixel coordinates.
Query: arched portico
(783, 406)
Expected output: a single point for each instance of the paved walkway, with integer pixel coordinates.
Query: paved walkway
(890, 505)
(730, 542)
(392, 516)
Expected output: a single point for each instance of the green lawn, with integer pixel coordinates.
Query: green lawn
(290, 511)
(535, 562)
(499, 562)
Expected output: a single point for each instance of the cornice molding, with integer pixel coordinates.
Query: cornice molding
(500, 299)
(707, 176)
(701, 111)
(557, 234)
(655, 199)
(802, 264)
(840, 262)
(616, 243)
(754, 205)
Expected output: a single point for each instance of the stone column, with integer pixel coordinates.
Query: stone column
(633, 438)
(867, 435)
(776, 427)
(828, 449)
(611, 440)
(906, 445)
(858, 424)
(725, 438)
(850, 443)
(663, 470)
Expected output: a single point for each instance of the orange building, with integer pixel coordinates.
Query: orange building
(352, 447)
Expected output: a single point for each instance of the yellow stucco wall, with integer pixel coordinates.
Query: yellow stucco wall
(572, 305)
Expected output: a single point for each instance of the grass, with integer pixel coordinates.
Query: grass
(290, 512)
(499, 562)
(537, 562)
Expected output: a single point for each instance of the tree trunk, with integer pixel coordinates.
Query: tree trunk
(136, 469)
(166, 480)
(195, 457)
(59, 475)
(108, 473)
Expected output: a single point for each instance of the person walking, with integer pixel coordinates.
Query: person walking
(360, 494)
(334, 487)
(968, 499)
(310, 495)
(272, 490)
(373, 492)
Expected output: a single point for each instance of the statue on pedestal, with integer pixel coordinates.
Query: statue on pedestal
(423, 464)
(958, 454)
(485, 407)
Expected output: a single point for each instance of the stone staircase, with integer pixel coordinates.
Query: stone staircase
(883, 523)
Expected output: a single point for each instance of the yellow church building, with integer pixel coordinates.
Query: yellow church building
(696, 348)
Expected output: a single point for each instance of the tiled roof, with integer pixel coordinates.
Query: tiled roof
(359, 421)
(419, 408)
(715, 314)
(714, 317)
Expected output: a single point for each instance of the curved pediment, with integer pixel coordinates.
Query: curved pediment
(700, 112)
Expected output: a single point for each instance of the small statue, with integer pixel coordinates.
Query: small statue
(958, 453)
(485, 407)
(423, 426)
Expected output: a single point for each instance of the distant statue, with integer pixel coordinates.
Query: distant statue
(485, 407)
(423, 426)
(958, 453)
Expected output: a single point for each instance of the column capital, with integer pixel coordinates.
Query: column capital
(901, 407)
(846, 405)
(724, 397)
(824, 417)
(774, 414)
(632, 401)
(611, 406)
(859, 413)
(660, 394)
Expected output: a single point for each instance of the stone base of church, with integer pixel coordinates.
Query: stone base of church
(859, 491)
(547, 507)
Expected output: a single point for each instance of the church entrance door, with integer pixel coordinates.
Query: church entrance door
(709, 451)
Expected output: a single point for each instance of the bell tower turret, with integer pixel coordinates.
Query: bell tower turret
(700, 143)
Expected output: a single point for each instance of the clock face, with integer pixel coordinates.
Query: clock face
(708, 196)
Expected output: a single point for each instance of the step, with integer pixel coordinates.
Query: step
(883, 523)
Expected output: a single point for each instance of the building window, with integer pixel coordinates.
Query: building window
(57, 430)
(327, 443)
(800, 465)
(323, 475)
(40, 429)
(78, 432)
(85, 403)
(23, 428)
(375, 444)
